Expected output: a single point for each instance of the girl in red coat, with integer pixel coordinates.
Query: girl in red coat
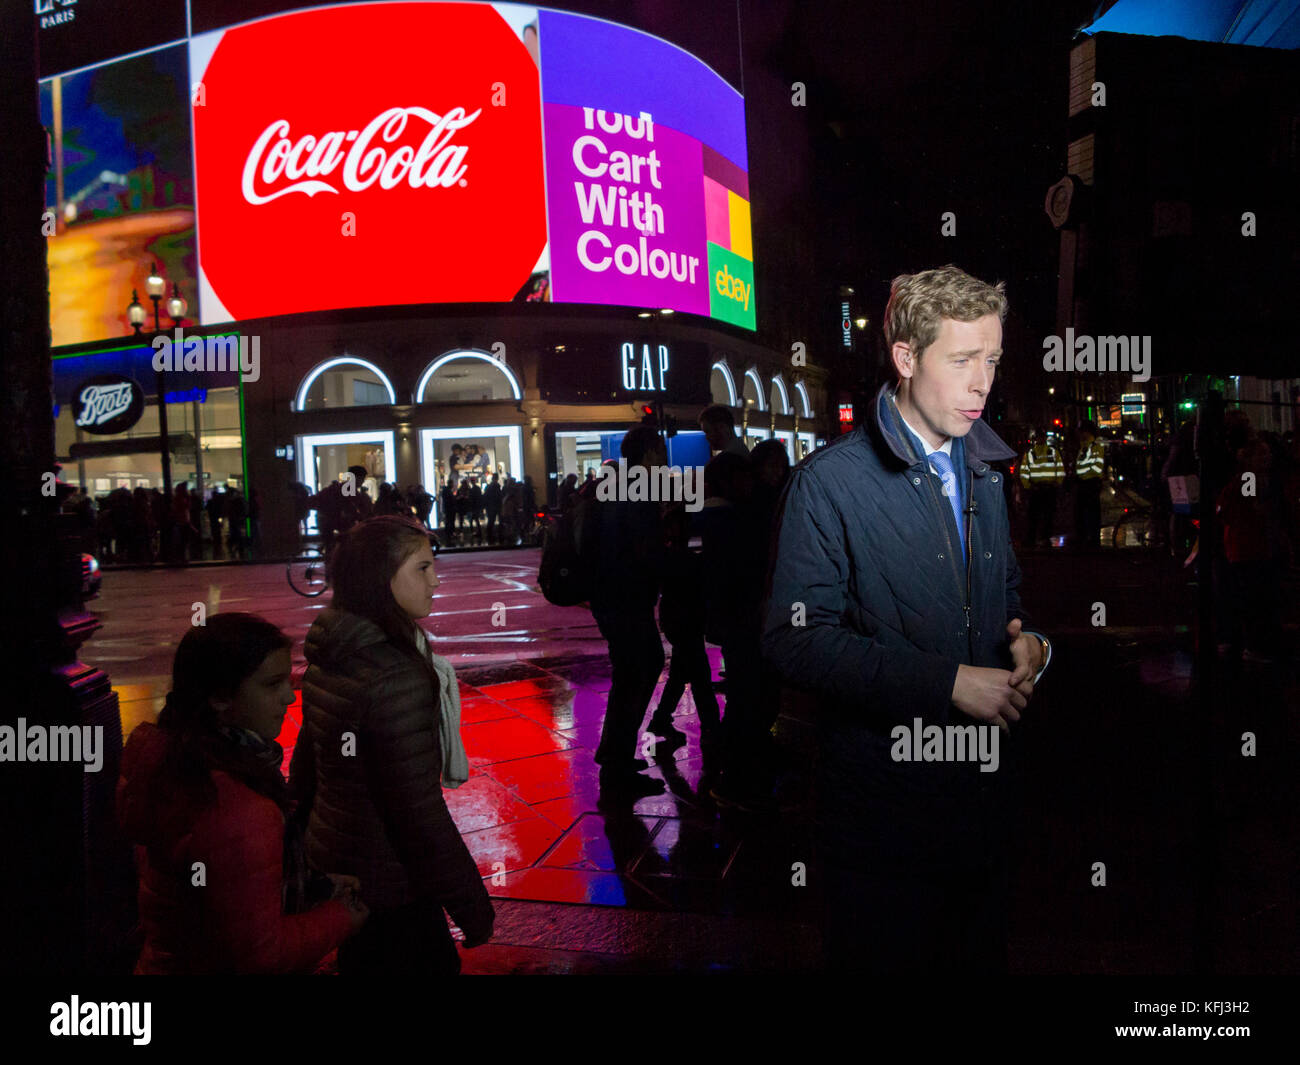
(224, 885)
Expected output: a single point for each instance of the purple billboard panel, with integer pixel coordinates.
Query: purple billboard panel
(626, 211)
(590, 63)
(646, 176)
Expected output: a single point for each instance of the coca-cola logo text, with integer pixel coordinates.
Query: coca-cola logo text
(435, 163)
(408, 181)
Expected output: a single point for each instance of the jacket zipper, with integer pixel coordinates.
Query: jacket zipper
(943, 521)
(970, 496)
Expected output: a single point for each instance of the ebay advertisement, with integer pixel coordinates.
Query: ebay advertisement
(646, 173)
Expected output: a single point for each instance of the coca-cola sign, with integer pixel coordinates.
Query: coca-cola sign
(437, 162)
(107, 404)
(365, 155)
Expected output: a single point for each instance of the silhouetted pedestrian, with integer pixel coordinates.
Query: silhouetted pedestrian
(216, 513)
(492, 505)
(681, 618)
(237, 509)
(628, 567)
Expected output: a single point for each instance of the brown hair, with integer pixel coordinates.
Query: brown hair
(362, 569)
(918, 303)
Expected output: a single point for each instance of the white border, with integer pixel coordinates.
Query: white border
(753, 374)
(307, 446)
(450, 356)
(731, 381)
(803, 395)
(429, 473)
(341, 360)
(785, 395)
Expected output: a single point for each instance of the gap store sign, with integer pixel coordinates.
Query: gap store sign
(481, 152)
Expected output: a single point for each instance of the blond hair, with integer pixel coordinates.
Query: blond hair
(918, 303)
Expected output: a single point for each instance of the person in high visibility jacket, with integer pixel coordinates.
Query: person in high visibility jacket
(1041, 473)
(1089, 467)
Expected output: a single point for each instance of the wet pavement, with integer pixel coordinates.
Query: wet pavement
(671, 883)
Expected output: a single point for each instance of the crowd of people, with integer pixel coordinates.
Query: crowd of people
(644, 558)
(489, 511)
(878, 577)
(142, 525)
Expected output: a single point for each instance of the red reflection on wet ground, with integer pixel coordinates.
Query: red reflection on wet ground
(531, 812)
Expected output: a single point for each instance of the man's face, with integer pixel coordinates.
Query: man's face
(715, 433)
(947, 388)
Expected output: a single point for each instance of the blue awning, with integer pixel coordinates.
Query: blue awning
(1264, 23)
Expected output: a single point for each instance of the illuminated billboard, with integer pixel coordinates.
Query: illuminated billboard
(405, 153)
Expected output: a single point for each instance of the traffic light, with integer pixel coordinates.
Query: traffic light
(653, 415)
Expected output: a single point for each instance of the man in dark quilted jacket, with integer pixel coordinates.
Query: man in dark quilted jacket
(894, 598)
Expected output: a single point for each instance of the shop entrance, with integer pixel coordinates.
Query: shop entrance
(468, 458)
(326, 457)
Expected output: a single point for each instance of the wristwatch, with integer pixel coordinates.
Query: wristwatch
(1047, 656)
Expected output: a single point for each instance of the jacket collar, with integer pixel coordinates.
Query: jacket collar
(983, 445)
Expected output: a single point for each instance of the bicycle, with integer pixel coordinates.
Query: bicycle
(307, 573)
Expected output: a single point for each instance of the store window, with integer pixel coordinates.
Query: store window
(752, 391)
(788, 440)
(582, 453)
(804, 402)
(722, 386)
(326, 457)
(466, 377)
(203, 426)
(468, 457)
(344, 382)
(778, 399)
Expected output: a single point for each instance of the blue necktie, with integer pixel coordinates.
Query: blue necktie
(952, 489)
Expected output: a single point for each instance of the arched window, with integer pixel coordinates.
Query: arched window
(465, 377)
(344, 382)
(722, 385)
(803, 398)
(778, 396)
(753, 390)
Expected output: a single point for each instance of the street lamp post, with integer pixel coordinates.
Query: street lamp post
(155, 287)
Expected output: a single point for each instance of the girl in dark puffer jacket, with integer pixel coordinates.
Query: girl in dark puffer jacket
(380, 738)
(224, 884)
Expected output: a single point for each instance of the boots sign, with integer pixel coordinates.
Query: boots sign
(108, 404)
